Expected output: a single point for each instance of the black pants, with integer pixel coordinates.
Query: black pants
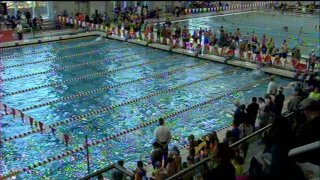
(165, 153)
(311, 67)
(20, 35)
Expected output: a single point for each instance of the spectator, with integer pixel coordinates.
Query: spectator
(159, 173)
(281, 138)
(272, 87)
(237, 105)
(245, 129)
(252, 112)
(189, 175)
(315, 94)
(163, 137)
(28, 17)
(116, 174)
(242, 116)
(168, 22)
(213, 138)
(262, 105)
(156, 154)
(19, 30)
(65, 13)
(278, 102)
(140, 172)
(192, 146)
(266, 117)
(237, 162)
(171, 167)
(228, 136)
(312, 60)
(224, 170)
(309, 132)
(235, 131)
(177, 160)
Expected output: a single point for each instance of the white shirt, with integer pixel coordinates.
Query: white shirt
(272, 88)
(19, 27)
(162, 134)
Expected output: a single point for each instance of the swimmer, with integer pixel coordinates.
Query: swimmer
(285, 28)
(247, 15)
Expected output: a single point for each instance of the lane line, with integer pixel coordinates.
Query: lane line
(74, 66)
(84, 77)
(107, 88)
(56, 49)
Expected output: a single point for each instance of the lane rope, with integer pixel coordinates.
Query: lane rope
(89, 75)
(42, 43)
(62, 57)
(107, 88)
(124, 103)
(74, 66)
(67, 153)
(56, 49)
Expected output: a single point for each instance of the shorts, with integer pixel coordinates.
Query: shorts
(284, 55)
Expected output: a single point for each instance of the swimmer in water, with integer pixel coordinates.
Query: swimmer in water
(285, 28)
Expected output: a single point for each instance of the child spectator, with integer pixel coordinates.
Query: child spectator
(156, 154)
(177, 160)
(192, 145)
(235, 131)
(139, 173)
(238, 162)
(159, 173)
(171, 167)
(228, 136)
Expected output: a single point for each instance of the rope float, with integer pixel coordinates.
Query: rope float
(121, 104)
(106, 88)
(57, 49)
(37, 164)
(62, 57)
(72, 66)
(40, 44)
(90, 75)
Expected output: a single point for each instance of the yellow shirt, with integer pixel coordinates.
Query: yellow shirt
(239, 168)
(314, 96)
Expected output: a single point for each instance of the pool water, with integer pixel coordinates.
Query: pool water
(269, 23)
(133, 146)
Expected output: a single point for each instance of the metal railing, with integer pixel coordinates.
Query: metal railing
(108, 168)
(181, 173)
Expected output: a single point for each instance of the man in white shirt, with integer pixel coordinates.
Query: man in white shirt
(163, 137)
(272, 87)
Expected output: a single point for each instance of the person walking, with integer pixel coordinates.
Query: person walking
(163, 137)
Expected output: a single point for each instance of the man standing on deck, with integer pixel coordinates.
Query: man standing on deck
(278, 102)
(272, 87)
(252, 111)
(163, 137)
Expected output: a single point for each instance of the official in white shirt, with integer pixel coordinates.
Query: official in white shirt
(163, 137)
(272, 87)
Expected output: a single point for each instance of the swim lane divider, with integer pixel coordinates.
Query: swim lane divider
(33, 122)
(122, 104)
(74, 66)
(106, 88)
(42, 43)
(63, 57)
(91, 75)
(83, 147)
(57, 49)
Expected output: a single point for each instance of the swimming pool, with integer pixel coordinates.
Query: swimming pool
(268, 23)
(131, 83)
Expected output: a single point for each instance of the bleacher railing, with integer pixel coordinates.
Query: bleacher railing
(106, 169)
(201, 163)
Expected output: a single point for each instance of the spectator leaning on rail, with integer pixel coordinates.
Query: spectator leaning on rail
(163, 137)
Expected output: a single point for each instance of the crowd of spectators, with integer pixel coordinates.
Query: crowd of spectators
(227, 161)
